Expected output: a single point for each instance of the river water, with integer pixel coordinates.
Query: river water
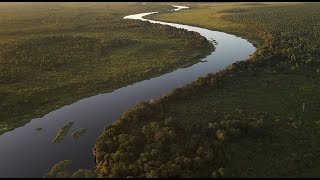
(26, 152)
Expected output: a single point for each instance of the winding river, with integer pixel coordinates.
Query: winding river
(26, 152)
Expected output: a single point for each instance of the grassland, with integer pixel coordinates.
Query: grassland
(53, 54)
(62, 133)
(256, 118)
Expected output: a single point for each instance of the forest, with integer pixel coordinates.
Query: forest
(255, 118)
(55, 54)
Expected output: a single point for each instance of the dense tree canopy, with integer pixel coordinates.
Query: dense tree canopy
(256, 118)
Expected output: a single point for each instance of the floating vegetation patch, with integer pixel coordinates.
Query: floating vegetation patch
(79, 133)
(56, 170)
(62, 133)
(59, 171)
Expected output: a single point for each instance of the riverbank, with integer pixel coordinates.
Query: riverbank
(256, 118)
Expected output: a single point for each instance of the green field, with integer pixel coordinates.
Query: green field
(257, 118)
(53, 54)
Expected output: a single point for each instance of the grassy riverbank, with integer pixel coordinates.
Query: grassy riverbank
(53, 54)
(257, 118)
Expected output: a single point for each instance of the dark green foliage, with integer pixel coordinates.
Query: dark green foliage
(165, 148)
(294, 41)
(276, 132)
